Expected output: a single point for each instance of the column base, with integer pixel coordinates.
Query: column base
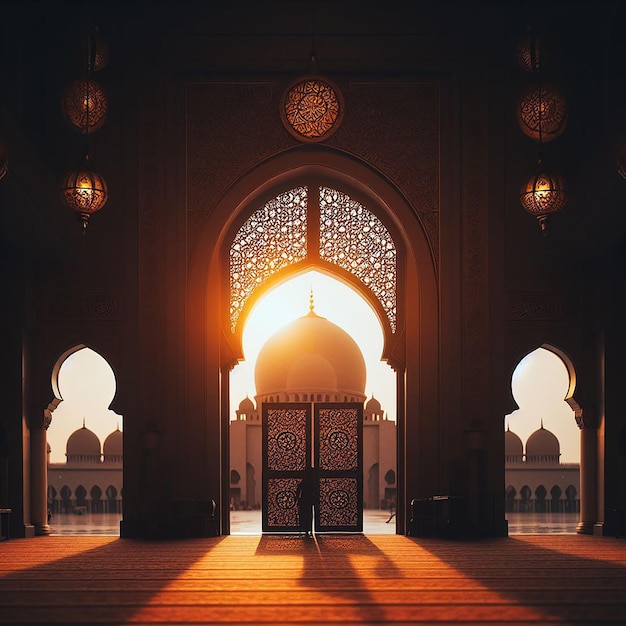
(42, 530)
(585, 528)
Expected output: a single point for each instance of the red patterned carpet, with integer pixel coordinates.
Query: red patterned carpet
(332, 579)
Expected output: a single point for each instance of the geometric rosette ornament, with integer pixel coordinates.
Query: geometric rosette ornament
(311, 109)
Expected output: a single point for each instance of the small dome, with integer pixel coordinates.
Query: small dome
(246, 405)
(83, 445)
(373, 405)
(113, 444)
(542, 445)
(512, 444)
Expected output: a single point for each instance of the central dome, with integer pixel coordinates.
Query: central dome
(310, 355)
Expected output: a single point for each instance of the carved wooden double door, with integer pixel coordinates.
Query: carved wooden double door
(322, 441)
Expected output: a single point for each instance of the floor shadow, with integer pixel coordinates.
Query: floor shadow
(567, 578)
(338, 565)
(92, 583)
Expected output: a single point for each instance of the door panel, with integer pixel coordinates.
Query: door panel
(338, 458)
(337, 465)
(286, 455)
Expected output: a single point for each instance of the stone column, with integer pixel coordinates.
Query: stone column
(588, 477)
(39, 475)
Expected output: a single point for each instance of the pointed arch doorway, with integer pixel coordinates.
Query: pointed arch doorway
(328, 197)
(315, 368)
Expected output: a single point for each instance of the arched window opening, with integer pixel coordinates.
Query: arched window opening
(525, 495)
(85, 439)
(112, 503)
(540, 499)
(81, 498)
(66, 499)
(96, 500)
(555, 504)
(542, 435)
(390, 477)
(571, 499)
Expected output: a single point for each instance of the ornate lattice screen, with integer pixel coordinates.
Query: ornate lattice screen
(338, 459)
(284, 231)
(337, 465)
(272, 238)
(353, 238)
(286, 455)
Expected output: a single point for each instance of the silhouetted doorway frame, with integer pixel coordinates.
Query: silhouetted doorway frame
(413, 351)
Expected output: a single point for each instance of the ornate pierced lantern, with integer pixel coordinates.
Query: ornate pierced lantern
(312, 108)
(542, 195)
(4, 160)
(542, 113)
(85, 105)
(84, 191)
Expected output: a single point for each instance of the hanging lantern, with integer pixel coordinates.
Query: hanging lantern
(529, 53)
(84, 191)
(85, 105)
(542, 113)
(4, 159)
(542, 195)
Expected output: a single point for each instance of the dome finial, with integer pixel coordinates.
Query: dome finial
(311, 301)
(542, 423)
(84, 423)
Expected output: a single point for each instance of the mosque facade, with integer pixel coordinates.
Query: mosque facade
(90, 480)
(536, 480)
(311, 360)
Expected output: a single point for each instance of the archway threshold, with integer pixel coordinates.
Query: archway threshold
(374, 522)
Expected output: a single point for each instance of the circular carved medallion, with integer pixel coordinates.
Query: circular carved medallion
(311, 108)
(338, 499)
(286, 440)
(338, 440)
(285, 499)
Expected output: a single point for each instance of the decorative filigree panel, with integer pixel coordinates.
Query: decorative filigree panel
(338, 502)
(286, 439)
(338, 439)
(311, 109)
(353, 238)
(282, 503)
(272, 238)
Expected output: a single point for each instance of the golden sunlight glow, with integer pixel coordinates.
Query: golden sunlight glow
(333, 300)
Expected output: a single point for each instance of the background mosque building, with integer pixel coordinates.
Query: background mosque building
(311, 360)
(536, 480)
(90, 480)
